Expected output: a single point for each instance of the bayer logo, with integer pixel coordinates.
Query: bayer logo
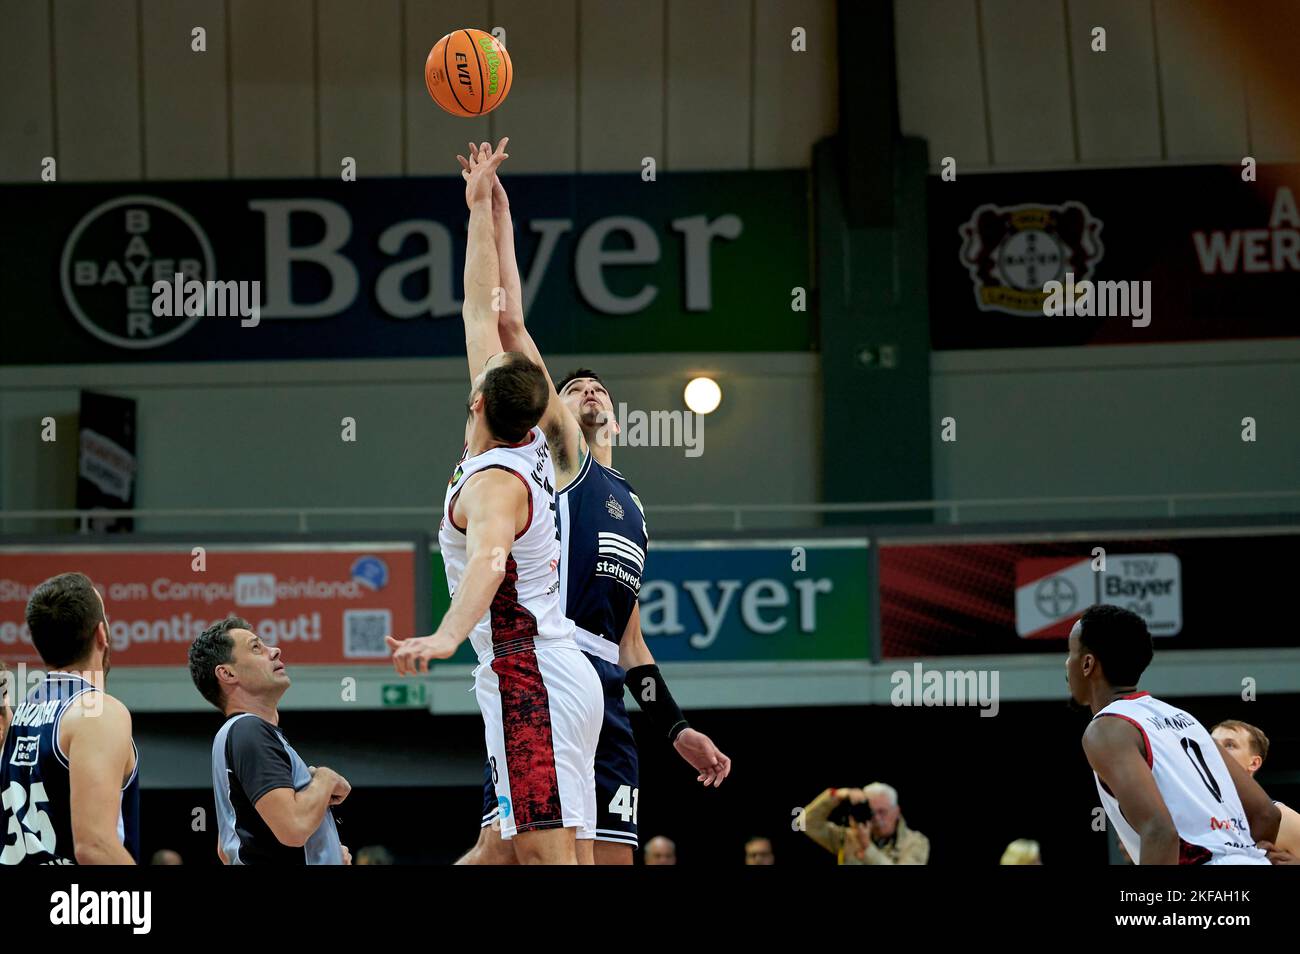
(1028, 259)
(1055, 597)
(113, 257)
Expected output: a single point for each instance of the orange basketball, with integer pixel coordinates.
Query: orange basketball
(468, 73)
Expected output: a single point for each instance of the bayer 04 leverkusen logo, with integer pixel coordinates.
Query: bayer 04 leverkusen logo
(1012, 251)
(113, 257)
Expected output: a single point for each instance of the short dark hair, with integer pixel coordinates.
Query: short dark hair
(1120, 641)
(62, 615)
(574, 375)
(212, 648)
(514, 397)
(1258, 740)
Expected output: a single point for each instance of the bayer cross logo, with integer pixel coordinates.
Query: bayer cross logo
(1030, 258)
(1010, 252)
(1056, 597)
(114, 255)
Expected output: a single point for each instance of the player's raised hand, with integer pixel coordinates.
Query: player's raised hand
(411, 656)
(703, 756)
(480, 168)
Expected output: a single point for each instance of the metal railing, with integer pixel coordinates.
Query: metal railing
(952, 508)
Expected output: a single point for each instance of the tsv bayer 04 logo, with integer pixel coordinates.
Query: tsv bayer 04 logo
(1012, 251)
(114, 255)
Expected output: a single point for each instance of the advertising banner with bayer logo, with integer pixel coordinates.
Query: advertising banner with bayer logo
(316, 269)
(745, 600)
(1051, 593)
(976, 592)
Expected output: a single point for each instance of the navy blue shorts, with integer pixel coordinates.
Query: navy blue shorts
(616, 766)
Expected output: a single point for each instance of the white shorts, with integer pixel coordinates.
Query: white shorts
(542, 711)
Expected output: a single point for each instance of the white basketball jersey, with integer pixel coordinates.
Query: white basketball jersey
(525, 611)
(1193, 781)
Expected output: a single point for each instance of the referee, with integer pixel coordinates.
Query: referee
(272, 809)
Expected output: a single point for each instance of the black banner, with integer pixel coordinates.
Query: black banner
(1186, 254)
(106, 462)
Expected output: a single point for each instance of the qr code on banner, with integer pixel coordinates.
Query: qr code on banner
(364, 631)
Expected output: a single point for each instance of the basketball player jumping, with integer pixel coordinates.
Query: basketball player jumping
(603, 549)
(540, 699)
(69, 775)
(1166, 786)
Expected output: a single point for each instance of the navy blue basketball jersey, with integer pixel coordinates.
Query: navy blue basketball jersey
(603, 541)
(36, 821)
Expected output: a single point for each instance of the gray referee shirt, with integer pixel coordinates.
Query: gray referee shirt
(251, 757)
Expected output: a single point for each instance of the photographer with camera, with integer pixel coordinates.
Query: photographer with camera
(871, 830)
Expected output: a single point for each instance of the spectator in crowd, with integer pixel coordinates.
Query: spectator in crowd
(165, 856)
(374, 855)
(873, 831)
(1022, 851)
(758, 851)
(5, 715)
(660, 851)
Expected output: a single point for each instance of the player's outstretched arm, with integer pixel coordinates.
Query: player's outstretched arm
(560, 427)
(482, 268)
(99, 755)
(1115, 752)
(651, 692)
(492, 502)
(1264, 818)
